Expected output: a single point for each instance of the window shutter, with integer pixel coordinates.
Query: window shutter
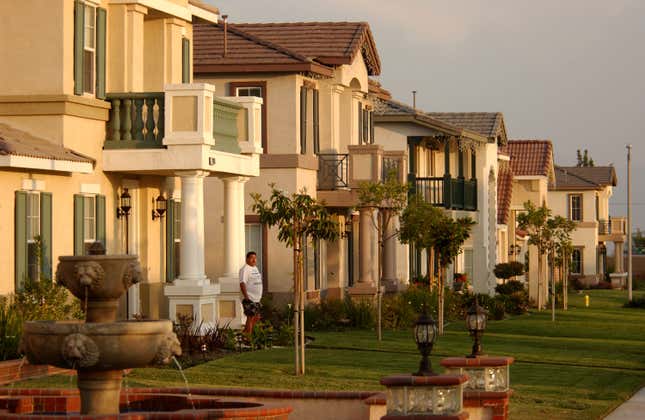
(100, 219)
(371, 114)
(79, 23)
(316, 123)
(366, 121)
(100, 52)
(46, 235)
(20, 241)
(360, 123)
(303, 120)
(185, 60)
(170, 241)
(79, 248)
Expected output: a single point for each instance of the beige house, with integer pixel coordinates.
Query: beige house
(530, 163)
(318, 135)
(451, 163)
(104, 137)
(582, 194)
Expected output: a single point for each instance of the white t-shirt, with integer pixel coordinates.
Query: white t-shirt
(252, 278)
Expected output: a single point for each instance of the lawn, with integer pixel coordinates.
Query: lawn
(580, 367)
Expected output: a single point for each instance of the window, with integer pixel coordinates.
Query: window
(89, 48)
(89, 221)
(33, 235)
(249, 91)
(259, 89)
(468, 264)
(253, 241)
(575, 207)
(576, 261)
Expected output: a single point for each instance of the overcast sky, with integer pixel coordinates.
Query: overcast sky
(567, 70)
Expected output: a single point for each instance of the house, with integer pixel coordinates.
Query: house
(105, 137)
(317, 135)
(582, 194)
(452, 163)
(531, 165)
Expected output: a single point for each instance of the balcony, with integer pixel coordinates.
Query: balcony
(136, 121)
(457, 194)
(613, 229)
(333, 171)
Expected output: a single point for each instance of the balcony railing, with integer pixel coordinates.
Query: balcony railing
(390, 166)
(136, 120)
(457, 194)
(333, 171)
(614, 226)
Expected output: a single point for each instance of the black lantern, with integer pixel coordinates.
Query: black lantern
(425, 334)
(514, 249)
(159, 207)
(124, 204)
(476, 323)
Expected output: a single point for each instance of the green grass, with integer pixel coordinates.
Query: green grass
(580, 367)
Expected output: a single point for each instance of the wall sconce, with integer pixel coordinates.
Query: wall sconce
(514, 250)
(159, 207)
(125, 204)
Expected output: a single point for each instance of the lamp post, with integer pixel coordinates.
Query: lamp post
(476, 323)
(629, 223)
(125, 205)
(425, 335)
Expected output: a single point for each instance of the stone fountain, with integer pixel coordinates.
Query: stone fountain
(100, 347)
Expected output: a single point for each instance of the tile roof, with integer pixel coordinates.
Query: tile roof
(530, 157)
(504, 194)
(325, 43)
(584, 178)
(20, 143)
(488, 124)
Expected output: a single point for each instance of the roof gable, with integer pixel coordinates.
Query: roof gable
(584, 178)
(530, 157)
(488, 124)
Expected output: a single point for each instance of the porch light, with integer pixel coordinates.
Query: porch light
(425, 335)
(476, 323)
(124, 204)
(514, 249)
(159, 207)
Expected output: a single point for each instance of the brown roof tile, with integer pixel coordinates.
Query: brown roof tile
(584, 178)
(20, 143)
(504, 194)
(488, 124)
(325, 43)
(530, 157)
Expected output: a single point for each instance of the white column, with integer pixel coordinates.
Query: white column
(191, 263)
(234, 212)
(366, 239)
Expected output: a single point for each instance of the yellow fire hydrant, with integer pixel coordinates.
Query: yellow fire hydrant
(587, 301)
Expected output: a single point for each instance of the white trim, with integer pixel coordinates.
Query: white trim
(530, 177)
(26, 162)
(504, 158)
(165, 6)
(203, 14)
(30, 184)
(90, 189)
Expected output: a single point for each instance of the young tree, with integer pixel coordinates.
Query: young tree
(584, 160)
(561, 248)
(389, 197)
(298, 217)
(534, 221)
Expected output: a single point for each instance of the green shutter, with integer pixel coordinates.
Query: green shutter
(100, 219)
(79, 248)
(170, 241)
(79, 23)
(185, 60)
(303, 120)
(371, 115)
(360, 123)
(316, 122)
(100, 52)
(20, 242)
(46, 235)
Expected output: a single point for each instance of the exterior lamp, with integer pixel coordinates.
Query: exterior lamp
(159, 207)
(476, 323)
(514, 250)
(125, 204)
(425, 334)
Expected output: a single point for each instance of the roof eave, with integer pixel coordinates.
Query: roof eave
(415, 120)
(203, 69)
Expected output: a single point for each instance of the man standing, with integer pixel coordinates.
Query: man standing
(251, 287)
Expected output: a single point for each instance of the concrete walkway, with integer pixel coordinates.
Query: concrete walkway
(632, 409)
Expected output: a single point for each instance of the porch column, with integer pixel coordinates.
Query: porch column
(618, 257)
(234, 241)
(191, 262)
(365, 238)
(447, 178)
(389, 256)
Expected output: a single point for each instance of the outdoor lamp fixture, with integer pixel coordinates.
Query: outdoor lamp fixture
(514, 250)
(425, 334)
(125, 204)
(476, 323)
(159, 207)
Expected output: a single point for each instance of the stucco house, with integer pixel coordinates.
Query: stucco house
(105, 137)
(452, 163)
(582, 194)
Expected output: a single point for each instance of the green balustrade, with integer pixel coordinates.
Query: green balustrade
(225, 125)
(136, 121)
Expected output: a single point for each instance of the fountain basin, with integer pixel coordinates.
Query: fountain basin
(99, 346)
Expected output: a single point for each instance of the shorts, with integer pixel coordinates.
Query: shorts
(251, 308)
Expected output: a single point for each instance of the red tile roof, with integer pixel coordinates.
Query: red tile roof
(504, 194)
(530, 157)
(326, 44)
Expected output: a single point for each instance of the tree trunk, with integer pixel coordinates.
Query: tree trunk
(429, 268)
(440, 298)
(539, 282)
(431, 278)
(381, 246)
(553, 293)
(296, 305)
(301, 309)
(565, 283)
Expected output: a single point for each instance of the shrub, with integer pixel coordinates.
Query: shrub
(10, 331)
(262, 336)
(329, 314)
(510, 287)
(507, 270)
(277, 316)
(360, 314)
(577, 284)
(636, 303)
(46, 300)
(603, 285)
(398, 313)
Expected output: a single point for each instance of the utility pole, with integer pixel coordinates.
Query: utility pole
(629, 222)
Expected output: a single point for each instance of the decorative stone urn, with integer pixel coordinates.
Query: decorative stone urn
(99, 348)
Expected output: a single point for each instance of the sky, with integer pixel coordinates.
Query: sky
(572, 71)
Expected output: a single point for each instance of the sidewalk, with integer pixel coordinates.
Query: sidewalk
(632, 409)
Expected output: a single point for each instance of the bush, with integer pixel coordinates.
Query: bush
(603, 285)
(510, 287)
(636, 303)
(398, 312)
(329, 314)
(577, 284)
(10, 331)
(360, 314)
(507, 270)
